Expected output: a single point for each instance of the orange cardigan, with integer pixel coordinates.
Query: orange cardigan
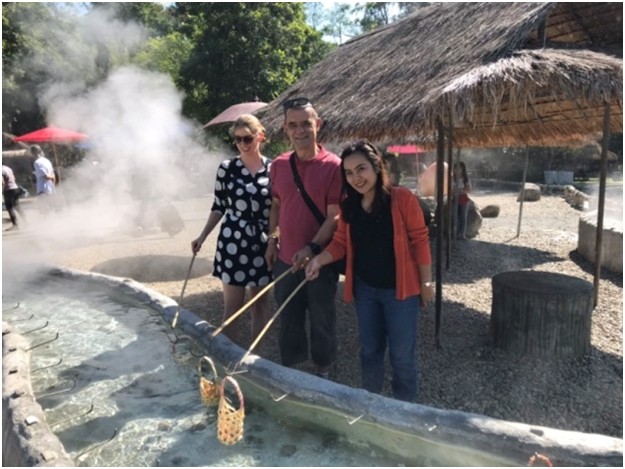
(410, 240)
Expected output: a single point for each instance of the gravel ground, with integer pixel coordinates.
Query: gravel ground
(466, 373)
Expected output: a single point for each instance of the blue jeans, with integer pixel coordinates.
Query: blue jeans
(382, 317)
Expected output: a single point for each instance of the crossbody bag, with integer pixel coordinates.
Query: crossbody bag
(338, 266)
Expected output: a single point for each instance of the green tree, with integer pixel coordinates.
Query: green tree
(341, 25)
(30, 58)
(375, 14)
(407, 8)
(315, 14)
(166, 54)
(243, 51)
(151, 15)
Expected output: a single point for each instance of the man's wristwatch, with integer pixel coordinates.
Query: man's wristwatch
(428, 284)
(273, 236)
(314, 247)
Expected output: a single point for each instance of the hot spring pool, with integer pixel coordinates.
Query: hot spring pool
(93, 359)
(117, 392)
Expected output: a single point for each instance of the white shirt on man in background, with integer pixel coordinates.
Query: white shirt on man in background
(44, 172)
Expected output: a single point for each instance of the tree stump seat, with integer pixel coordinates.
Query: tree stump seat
(541, 314)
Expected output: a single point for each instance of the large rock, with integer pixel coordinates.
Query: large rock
(576, 199)
(490, 211)
(474, 219)
(532, 193)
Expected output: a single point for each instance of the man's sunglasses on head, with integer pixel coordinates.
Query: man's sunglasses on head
(296, 102)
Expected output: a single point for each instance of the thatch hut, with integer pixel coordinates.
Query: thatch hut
(505, 73)
(475, 75)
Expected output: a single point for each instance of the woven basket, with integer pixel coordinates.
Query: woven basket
(229, 419)
(209, 388)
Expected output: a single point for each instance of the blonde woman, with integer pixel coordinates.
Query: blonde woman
(242, 199)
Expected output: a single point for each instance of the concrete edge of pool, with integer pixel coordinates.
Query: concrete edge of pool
(414, 433)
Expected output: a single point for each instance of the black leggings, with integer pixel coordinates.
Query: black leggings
(12, 203)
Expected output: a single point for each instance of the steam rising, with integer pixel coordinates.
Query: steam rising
(139, 144)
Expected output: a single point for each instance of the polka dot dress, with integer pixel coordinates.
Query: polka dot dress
(245, 201)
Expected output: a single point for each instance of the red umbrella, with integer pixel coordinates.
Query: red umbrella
(235, 111)
(405, 149)
(51, 135)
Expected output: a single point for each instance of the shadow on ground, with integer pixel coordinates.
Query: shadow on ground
(589, 267)
(154, 268)
(494, 258)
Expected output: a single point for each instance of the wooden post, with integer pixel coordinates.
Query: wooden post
(527, 156)
(448, 217)
(440, 171)
(601, 207)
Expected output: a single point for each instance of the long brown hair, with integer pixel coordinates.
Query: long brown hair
(351, 197)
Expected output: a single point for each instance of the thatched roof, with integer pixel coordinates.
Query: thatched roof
(504, 80)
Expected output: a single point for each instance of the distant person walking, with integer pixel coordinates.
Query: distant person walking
(462, 188)
(46, 179)
(44, 172)
(242, 199)
(11, 193)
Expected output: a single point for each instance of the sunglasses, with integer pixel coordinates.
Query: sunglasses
(296, 102)
(247, 139)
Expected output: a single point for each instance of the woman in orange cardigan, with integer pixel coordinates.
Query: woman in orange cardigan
(382, 233)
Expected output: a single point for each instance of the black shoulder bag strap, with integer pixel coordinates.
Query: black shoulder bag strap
(300, 186)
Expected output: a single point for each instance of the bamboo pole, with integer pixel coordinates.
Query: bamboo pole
(184, 286)
(270, 322)
(249, 303)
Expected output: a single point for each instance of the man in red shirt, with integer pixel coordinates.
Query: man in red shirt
(296, 236)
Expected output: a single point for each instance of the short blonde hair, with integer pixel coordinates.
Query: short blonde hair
(249, 122)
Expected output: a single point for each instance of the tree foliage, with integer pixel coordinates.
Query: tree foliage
(217, 53)
(243, 51)
(31, 58)
(375, 14)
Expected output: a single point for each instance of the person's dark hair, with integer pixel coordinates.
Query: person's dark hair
(463, 171)
(35, 150)
(351, 198)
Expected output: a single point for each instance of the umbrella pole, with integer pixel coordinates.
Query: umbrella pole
(56, 160)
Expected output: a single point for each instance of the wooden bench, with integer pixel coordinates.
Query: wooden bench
(541, 314)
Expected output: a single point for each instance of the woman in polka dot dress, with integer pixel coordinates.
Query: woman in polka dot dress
(243, 195)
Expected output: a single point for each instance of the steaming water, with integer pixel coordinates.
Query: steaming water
(146, 410)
